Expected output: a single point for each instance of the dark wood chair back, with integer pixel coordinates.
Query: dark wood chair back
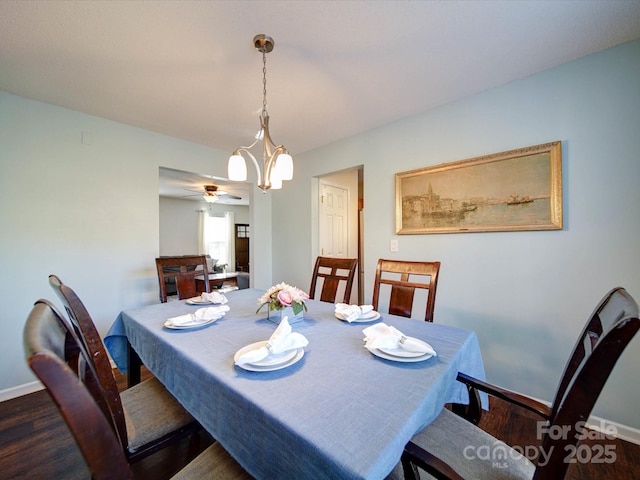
(611, 327)
(44, 343)
(89, 338)
(183, 270)
(333, 272)
(401, 276)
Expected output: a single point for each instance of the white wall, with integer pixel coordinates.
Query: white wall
(526, 294)
(179, 223)
(88, 213)
(178, 226)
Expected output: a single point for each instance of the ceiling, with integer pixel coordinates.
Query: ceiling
(190, 186)
(189, 69)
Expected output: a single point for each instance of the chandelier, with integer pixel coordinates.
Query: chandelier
(277, 163)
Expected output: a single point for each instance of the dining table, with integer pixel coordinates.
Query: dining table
(335, 410)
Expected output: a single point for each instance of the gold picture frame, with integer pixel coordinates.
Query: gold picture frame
(508, 191)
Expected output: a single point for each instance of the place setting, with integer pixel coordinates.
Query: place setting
(283, 349)
(206, 298)
(199, 318)
(356, 313)
(388, 342)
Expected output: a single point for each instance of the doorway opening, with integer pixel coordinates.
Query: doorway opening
(340, 221)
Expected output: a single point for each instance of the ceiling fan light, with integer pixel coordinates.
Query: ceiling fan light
(284, 166)
(237, 168)
(210, 198)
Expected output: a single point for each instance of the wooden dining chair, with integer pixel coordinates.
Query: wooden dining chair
(147, 417)
(404, 278)
(440, 448)
(182, 272)
(333, 272)
(46, 339)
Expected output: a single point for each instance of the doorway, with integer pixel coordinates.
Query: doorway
(242, 247)
(340, 226)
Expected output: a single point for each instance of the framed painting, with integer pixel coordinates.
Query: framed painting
(508, 191)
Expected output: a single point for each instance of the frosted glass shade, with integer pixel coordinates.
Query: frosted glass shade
(237, 168)
(276, 181)
(284, 165)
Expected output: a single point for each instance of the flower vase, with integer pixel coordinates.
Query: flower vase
(276, 316)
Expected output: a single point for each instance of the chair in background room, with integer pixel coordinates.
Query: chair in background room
(439, 448)
(182, 272)
(45, 340)
(146, 416)
(333, 272)
(401, 276)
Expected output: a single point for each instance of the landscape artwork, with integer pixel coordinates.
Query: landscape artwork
(508, 191)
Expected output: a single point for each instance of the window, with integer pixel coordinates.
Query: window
(217, 238)
(242, 230)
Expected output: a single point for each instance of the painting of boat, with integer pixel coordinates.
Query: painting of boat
(516, 200)
(508, 191)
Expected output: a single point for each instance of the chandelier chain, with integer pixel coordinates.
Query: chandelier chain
(264, 84)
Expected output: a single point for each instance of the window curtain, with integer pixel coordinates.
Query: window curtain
(231, 240)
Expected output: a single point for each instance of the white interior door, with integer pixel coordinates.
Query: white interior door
(334, 218)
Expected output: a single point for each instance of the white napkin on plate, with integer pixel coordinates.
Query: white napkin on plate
(382, 335)
(281, 341)
(214, 297)
(200, 315)
(352, 312)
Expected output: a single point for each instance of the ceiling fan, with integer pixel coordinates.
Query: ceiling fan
(212, 194)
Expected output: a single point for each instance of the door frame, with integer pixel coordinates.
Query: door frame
(355, 221)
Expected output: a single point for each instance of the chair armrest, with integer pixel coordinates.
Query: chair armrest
(508, 395)
(416, 456)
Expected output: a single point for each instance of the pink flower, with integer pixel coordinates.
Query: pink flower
(285, 298)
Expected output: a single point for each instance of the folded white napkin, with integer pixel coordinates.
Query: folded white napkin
(281, 341)
(382, 335)
(214, 297)
(352, 312)
(200, 315)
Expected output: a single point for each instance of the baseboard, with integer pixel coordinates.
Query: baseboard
(623, 432)
(20, 390)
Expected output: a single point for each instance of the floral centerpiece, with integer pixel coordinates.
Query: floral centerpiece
(282, 297)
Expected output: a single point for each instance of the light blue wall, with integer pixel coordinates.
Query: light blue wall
(526, 294)
(88, 213)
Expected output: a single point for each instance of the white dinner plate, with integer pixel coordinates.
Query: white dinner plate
(192, 324)
(198, 301)
(272, 362)
(396, 358)
(367, 317)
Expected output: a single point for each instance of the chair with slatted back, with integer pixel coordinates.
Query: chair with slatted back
(147, 416)
(333, 272)
(183, 271)
(46, 339)
(404, 278)
(450, 447)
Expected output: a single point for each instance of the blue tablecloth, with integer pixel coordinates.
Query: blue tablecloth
(340, 412)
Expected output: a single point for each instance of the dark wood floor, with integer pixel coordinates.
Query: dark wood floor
(35, 444)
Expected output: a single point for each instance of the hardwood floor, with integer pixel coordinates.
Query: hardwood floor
(35, 444)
